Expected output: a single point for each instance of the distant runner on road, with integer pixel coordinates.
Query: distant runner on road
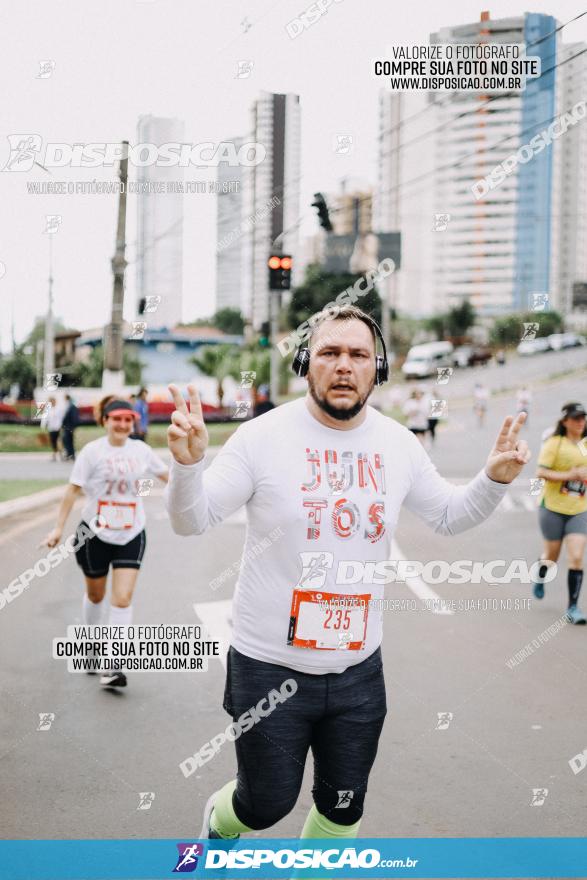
(562, 464)
(333, 473)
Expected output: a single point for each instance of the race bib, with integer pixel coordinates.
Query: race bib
(328, 621)
(575, 488)
(116, 514)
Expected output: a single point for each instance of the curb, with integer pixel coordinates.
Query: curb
(31, 502)
(49, 496)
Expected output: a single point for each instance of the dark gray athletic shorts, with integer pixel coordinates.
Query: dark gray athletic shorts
(556, 526)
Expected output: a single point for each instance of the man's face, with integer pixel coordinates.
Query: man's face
(342, 367)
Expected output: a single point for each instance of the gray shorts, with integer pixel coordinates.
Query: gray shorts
(556, 526)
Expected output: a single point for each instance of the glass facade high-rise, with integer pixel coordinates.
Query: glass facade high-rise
(160, 226)
(495, 250)
(275, 124)
(230, 230)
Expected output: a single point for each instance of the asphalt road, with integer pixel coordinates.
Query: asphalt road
(512, 730)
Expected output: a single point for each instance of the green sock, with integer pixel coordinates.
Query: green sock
(223, 819)
(317, 825)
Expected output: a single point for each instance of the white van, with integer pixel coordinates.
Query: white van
(423, 360)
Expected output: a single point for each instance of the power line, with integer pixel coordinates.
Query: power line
(465, 113)
(528, 46)
(470, 156)
(464, 159)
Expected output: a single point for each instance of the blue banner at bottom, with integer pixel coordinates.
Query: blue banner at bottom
(384, 857)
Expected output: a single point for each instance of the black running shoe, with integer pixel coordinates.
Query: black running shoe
(207, 832)
(114, 680)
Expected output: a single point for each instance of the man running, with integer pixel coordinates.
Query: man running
(333, 472)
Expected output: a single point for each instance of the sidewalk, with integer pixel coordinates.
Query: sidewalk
(27, 503)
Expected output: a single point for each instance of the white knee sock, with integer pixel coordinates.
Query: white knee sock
(92, 612)
(120, 617)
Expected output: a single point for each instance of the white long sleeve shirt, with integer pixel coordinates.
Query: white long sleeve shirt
(336, 494)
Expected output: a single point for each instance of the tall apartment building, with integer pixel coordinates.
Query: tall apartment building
(569, 216)
(275, 124)
(352, 208)
(403, 200)
(160, 227)
(230, 230)
(496, 250)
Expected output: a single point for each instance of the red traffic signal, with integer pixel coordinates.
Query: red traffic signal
(279, 271)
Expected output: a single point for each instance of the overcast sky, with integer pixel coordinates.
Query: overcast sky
(118, 59)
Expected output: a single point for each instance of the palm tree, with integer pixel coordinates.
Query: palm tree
(218, 361)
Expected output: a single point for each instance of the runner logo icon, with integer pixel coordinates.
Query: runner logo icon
(187, 860)
(314, 566)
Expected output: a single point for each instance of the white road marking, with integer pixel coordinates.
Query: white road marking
(420, 589)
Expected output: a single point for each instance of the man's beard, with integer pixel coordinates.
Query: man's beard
(342, 415)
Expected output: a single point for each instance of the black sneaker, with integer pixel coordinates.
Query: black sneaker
(114, 680)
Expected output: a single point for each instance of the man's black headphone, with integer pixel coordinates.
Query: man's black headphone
(301, 362)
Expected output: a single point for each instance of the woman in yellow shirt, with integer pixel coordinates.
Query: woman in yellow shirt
(562, 464)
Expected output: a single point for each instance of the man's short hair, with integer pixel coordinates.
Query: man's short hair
(345, 313)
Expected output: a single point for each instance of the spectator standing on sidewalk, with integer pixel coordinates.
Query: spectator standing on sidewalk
(70, 423)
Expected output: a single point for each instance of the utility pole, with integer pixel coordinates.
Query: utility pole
(38, 362)
(274, 355)
(49, 347)
(113, 374)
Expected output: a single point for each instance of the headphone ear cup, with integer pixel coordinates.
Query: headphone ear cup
(381, 370)
(301, 362)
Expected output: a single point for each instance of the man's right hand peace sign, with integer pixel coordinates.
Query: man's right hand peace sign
(187, 436)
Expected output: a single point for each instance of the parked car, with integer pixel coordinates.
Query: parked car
(557, 341)
(160, 412)
(423, 360)
(572, 340)
(471, 355)
(534, 346)
(8, 414)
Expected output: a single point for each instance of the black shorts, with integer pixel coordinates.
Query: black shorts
(338, 716)
(95, 556)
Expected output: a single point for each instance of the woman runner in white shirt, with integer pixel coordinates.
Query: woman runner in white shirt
(109, 471)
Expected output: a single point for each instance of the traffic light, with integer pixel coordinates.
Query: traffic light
(142, 305)
(264, 334)
(279, 271)
(320, 203)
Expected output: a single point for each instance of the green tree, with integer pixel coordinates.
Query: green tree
(437, 325)
(18, 368)
(218, 361)
(226, 320)
(460, 319)
(319, 288)
(454, 323)
(229, 321)
(508, 330)
(88, 374)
